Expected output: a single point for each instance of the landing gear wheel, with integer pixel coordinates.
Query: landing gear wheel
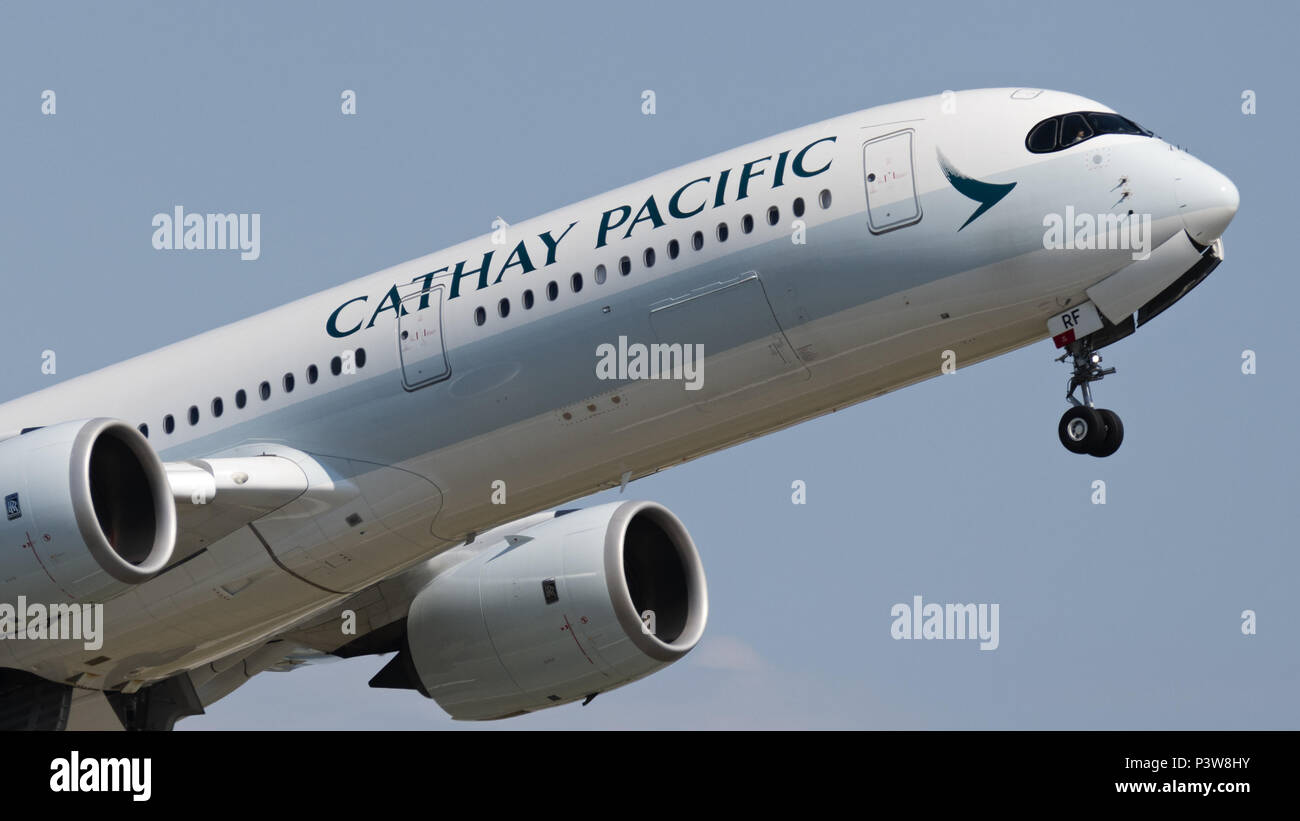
(1114, 433)
(1082, 429)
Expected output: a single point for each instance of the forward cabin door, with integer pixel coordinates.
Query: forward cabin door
(890, 177)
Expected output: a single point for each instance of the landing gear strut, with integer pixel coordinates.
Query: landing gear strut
(1085, 428)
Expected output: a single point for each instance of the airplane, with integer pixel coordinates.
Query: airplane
(381, 467)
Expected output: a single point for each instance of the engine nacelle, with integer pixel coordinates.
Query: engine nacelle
(582, 603)
(90, 504)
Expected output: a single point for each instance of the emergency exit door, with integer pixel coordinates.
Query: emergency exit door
(419, 339)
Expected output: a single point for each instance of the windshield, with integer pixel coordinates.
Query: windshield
(1066, 130)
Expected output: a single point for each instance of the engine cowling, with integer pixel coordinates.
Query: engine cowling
(580, 604)
(90, 503)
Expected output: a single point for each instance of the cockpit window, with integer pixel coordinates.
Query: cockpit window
(1115, 124)
(1043, 138)
(1066, 130)
(1074, 129)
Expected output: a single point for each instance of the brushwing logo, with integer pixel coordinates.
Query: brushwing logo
(987, 194)
(12, 508)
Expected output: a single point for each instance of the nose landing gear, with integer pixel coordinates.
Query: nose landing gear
(1085, 428)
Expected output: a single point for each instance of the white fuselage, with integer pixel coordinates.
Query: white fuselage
(415, 441)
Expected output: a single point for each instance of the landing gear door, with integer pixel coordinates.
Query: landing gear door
(887, 170)
(419, 339)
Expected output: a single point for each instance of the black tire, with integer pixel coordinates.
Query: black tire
(1114, 434)
(1081, 429)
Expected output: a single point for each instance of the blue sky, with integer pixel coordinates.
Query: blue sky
(1125, 615)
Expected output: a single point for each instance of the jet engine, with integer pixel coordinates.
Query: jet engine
(579, 604)
(88, 512)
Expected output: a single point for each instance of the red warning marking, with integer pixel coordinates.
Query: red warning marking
(569, 627)
(29, 543)
(1064, 338)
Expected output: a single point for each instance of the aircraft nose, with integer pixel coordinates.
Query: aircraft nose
(1207, 202)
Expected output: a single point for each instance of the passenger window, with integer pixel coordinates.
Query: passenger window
(288, 383)
(264, 390)
(575, 282)
(312, 374)
(824, 198)
(144, 430)
(480, 315)
(773, 215)
(218, 407)
(194, 414)
(552, 290)
(798, 206)
(503, 308)
(747, 223)
(674, 248)
(625, 266)
(528, 299)
(600, 274)
(697, 240)
(241, 398)
(360, 357)
(336, 366)
(722, 232)
(649, 257)
(169, 423)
